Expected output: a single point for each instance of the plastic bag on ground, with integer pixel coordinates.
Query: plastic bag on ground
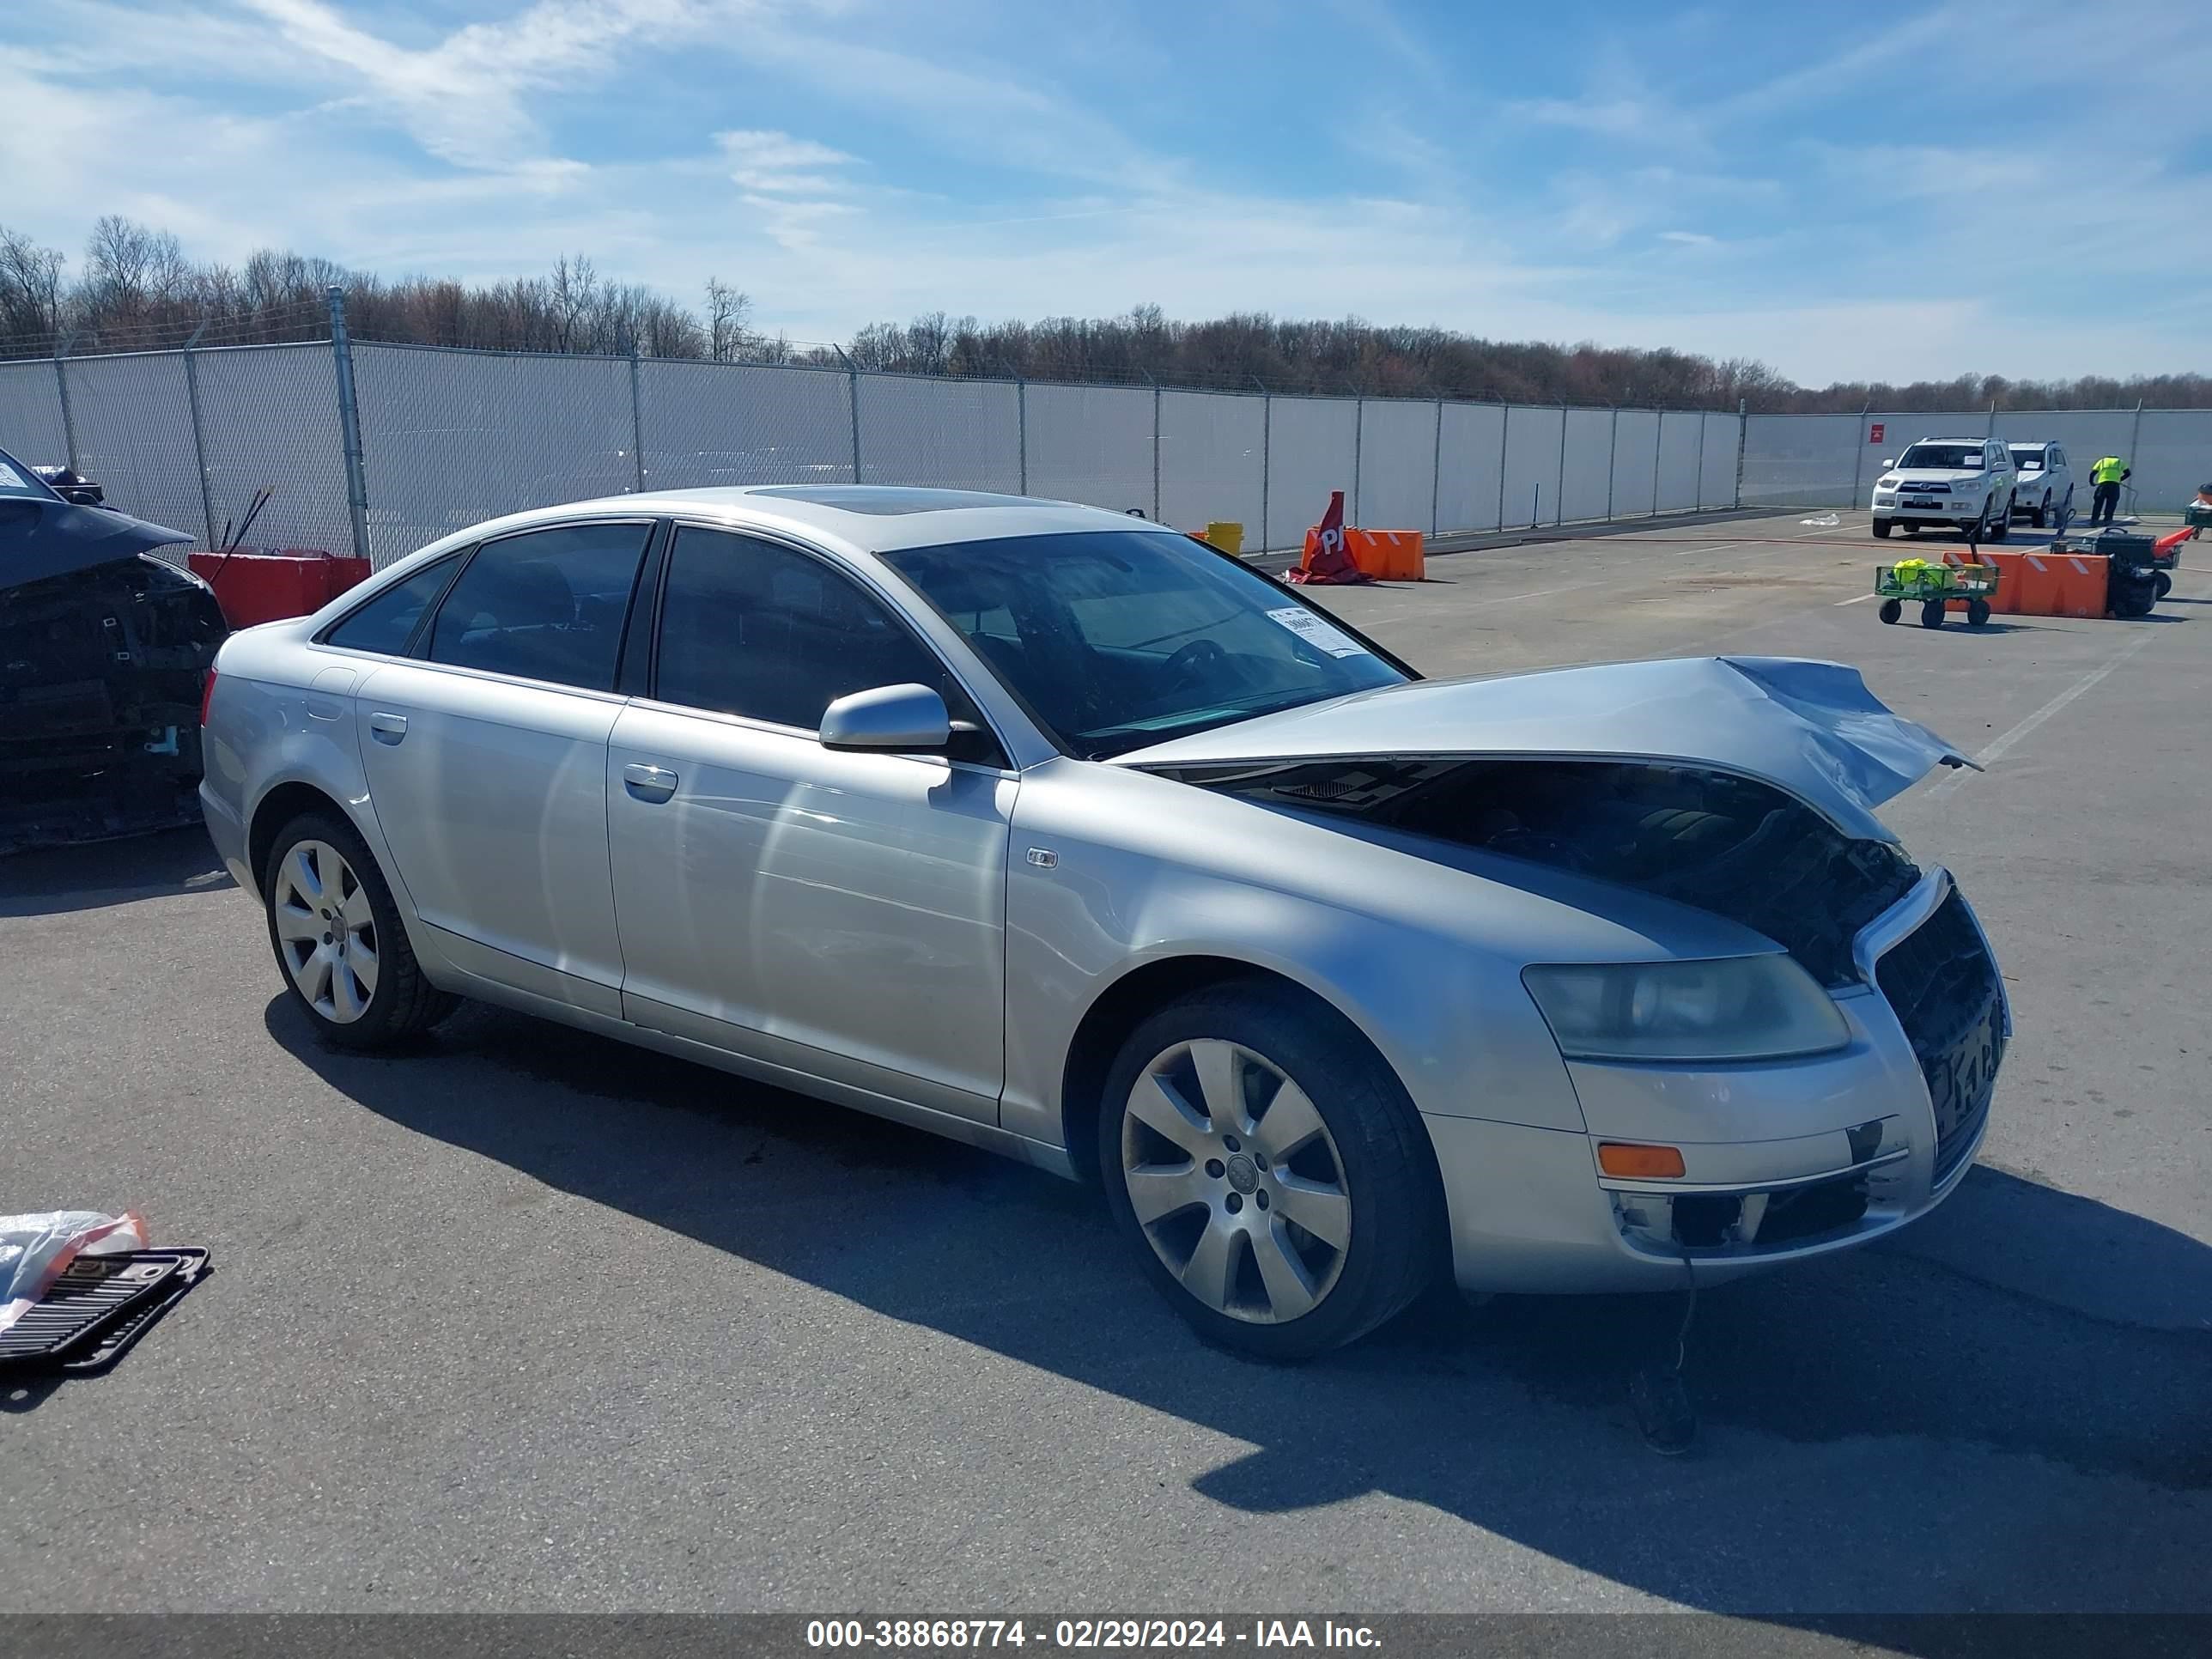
(36, 1250)
(1822, 521)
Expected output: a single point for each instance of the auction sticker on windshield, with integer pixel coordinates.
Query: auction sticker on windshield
(1316, 632)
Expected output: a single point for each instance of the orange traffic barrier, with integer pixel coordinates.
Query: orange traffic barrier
(1391, 555)
(2082, 585)
(2028, 585)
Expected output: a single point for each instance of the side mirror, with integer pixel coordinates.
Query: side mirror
(1885, 465)
(899, 719)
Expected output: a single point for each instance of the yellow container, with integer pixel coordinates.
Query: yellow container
(1228, 538)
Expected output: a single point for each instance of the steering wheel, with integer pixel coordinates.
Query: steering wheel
(1189, 658)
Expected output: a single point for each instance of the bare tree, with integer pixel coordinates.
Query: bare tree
(728, 310)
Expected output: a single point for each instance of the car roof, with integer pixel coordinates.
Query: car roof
(856, 518)
(1971, 443)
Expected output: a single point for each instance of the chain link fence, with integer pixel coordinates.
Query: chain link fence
(451, 437)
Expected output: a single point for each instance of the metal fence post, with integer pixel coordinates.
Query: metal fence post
(1022, 434)
(2135, 434)
(1658, 449)
(1742, 432)
(1559, 492)
(1611, 462)
(1991, 431)
(636, 421)
(852, 409)
(1267, 451)
(1698, 495)
(1358, 438)
(1436, 475)
(1156, 449)
(350, 423)
(199, 432)
(1858, 454)
(61, 385)
(1505, 440)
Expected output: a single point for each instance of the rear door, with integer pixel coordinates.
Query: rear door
(842, 914)
(486, 758)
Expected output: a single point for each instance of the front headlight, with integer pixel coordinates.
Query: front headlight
(1737, 1008)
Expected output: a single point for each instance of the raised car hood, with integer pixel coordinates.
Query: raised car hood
(42, 539)
(1811, 729)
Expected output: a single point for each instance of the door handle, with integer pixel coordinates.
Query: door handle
(387, 728)
(650, 784)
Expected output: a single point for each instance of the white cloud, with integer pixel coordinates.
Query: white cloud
(1688, 237)
(777, 162)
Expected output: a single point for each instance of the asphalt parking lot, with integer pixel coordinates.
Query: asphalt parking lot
(531, 1320)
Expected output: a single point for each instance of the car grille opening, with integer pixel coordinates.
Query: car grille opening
(1943, 987)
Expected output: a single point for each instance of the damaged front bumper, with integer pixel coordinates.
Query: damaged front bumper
(1782, 1161)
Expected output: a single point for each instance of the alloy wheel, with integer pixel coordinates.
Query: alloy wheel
(327, 931)
(1235, 1181)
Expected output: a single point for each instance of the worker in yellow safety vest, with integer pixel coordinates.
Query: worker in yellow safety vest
(2106, 475)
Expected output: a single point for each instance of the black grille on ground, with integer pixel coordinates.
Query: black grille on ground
(1943, 987)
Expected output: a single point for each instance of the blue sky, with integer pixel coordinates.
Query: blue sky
(1869, 189)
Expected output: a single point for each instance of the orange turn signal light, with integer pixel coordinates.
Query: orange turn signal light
(1639, 1162)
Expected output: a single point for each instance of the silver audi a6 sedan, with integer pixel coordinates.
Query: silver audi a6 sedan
(1065, 835)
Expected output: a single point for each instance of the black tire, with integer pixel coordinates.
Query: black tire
(2163, 581)
(1396, 1247)
(1891, 610)
(1977, 613)
(1999, 527)
(1881, 530)
(402, 1003)
(2040, 516)
(1931, 613)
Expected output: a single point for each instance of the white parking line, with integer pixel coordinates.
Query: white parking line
(1861, 600)
(2019, 734)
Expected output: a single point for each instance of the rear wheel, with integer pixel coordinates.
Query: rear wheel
(1931, 613)
(1912, 527)
(1881, 530)
(1891, 610)
(2163, 582)
(1275, 1178)
(339, 938)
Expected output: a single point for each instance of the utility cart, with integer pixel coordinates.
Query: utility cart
(1932, 587)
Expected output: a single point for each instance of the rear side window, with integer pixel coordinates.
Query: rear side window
(548, 605)
(752, 628)
(387, 622)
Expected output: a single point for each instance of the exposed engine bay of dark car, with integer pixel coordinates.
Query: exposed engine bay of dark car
(1733, 846)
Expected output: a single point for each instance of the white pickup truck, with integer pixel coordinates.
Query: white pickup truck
(1962, 483)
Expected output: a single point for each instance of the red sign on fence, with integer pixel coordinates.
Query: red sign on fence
(1874, 432)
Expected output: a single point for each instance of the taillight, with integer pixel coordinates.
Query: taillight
(207, 695)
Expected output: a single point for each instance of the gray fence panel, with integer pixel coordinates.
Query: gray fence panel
(1532, 465)
(1589, 463)
(269, 416)
(134, 437)
(706, 424)
(30, 415)
(1091, 444)
(1678, 460)
(451, 438)
(1210, 459)
(2171, 457)
(950, 434)
(1716, 479)
(1397, 464)
(1635, 463)
(1467, 498)
(1805, 460)
(1309, 454)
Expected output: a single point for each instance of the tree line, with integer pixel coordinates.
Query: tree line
(134, 289)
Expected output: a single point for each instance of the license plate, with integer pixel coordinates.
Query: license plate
(1929, 506)
(1962, 1084)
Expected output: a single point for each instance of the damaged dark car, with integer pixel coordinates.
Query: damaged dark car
(103, 655)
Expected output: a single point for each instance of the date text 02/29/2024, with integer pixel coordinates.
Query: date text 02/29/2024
(970, 1635)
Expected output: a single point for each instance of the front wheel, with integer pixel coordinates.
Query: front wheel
(1881, 530)
(2001, 526)
(2163, 582)
(1271, 1171)
(1977, 613)
(2040, 516)
(339, 939)
(1931, 614)
(1891, 610)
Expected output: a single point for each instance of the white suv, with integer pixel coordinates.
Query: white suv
(1962, 483)
(2045, 482)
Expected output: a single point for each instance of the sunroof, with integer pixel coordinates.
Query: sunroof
(884, 500)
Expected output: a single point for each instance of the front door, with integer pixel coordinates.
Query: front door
(842, 915)
(486, 759)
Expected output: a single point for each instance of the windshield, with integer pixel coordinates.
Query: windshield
(1952, 456)
(16, 479)
(2028, 460)
(1116, 639)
